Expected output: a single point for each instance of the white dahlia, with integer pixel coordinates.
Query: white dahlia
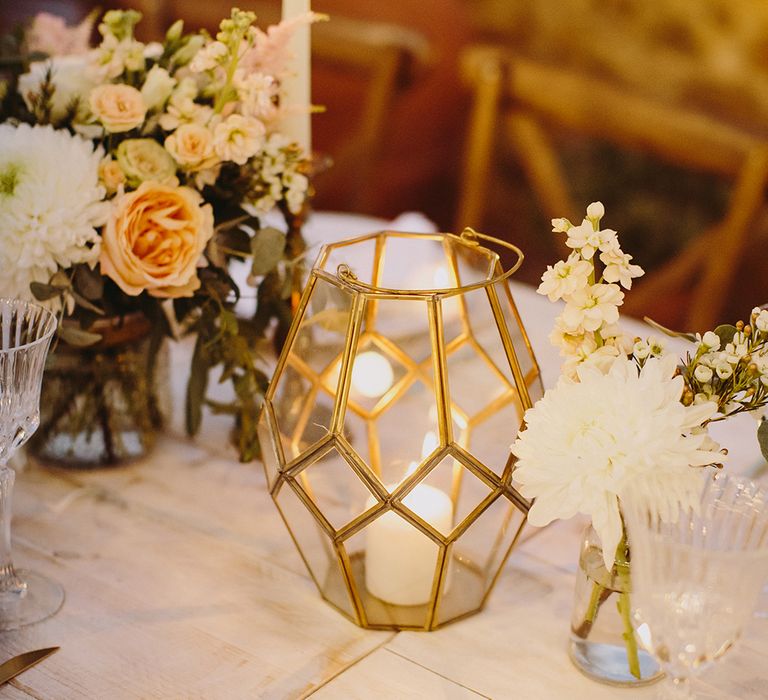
(50, 204)
(588, 442)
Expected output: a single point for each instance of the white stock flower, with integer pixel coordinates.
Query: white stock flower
(257, 93)
(595, 211)
(114, 56)
(585, 239)
(238, 138)
(565, 277)
(618, 266)
(602, 358)
(296, 194)
(51, 203)
(592, 306)
(182, 108)
(209, 57)
(588, 442)
(560, 225)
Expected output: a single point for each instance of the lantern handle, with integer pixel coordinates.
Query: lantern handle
(472, 237)
(468, 236)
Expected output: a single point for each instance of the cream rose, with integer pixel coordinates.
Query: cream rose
(118, 107)
(191, 146)
(154, 240)
(143, 160)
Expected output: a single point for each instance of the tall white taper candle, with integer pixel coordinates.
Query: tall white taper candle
(297, 93)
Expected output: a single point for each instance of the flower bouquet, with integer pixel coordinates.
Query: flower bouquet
(626, 416)
(131, 175)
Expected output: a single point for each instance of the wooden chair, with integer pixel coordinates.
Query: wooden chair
(385, 59)
(523, 97)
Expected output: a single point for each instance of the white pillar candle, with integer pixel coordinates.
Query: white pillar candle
(400, 560)
(296, 84)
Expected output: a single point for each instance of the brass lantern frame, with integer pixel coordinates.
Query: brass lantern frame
(290, 470)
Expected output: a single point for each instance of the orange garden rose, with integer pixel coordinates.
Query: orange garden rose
(155, 238)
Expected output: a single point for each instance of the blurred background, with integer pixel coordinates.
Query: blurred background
(502, 114)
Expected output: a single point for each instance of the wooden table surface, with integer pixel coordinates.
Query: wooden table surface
(182, 582)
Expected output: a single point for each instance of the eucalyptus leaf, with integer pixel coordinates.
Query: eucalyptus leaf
(44, 292)
(196, 387)
(667, 331)
(725, 333)
(268, 248)
(82, 301)
(762, 438)
(89, 282)
(77, 337)
(60, 280)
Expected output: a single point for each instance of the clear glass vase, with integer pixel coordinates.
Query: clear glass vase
(603, 644)
(103, 405)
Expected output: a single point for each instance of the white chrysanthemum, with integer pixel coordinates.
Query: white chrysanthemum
(50, 204)
(587, 442)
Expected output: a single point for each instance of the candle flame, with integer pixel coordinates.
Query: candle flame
(427, 447)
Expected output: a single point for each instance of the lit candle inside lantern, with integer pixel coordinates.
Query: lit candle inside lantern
(400, 560)
(296, 84)
(372, 375)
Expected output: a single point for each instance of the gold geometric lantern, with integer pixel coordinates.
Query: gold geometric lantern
(386, 429)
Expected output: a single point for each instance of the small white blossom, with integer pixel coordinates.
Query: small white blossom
(760, 319)
(641, 350)
(703, 374)
(657, 346)
(711, 341)
(560, 225)
(724, 370)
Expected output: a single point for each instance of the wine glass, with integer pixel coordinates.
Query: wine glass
(25, 335)
(696, 580)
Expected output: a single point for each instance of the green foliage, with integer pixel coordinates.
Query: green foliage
(268, 249)
(221, 346)
(762, 438)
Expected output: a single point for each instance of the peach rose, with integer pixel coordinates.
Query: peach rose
(118, 107)
(154, 240)
(191, 146)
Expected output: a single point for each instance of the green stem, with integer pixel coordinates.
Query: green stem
(594, 602)
(624, 605)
